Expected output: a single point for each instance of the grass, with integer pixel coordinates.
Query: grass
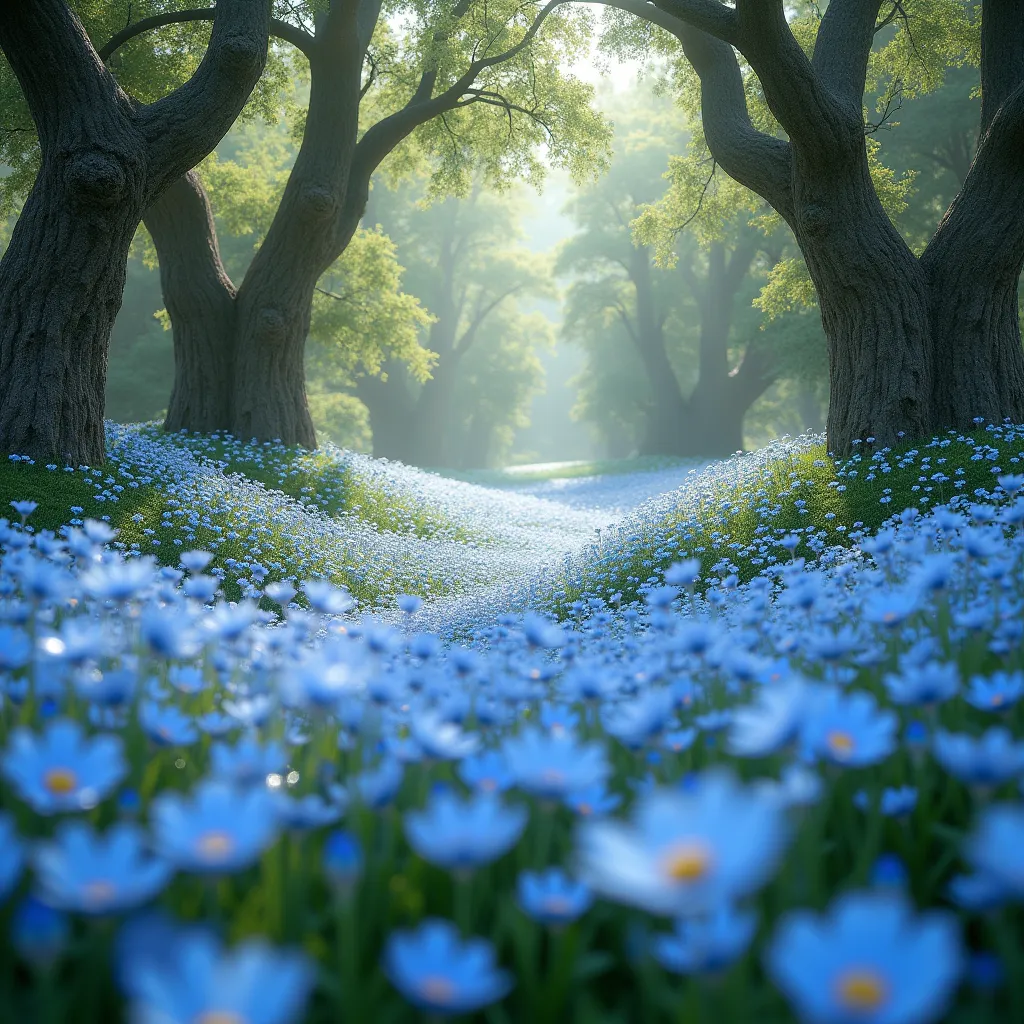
(152, 519)
(736, 529)
(324, 482)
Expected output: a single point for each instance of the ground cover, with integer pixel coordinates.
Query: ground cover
(788, 796)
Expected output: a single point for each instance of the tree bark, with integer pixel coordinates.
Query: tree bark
(200, 300)
(104, 159)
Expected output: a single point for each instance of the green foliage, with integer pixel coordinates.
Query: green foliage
(147, 67)
(926, 42)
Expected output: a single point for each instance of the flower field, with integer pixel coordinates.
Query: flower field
(304, 737)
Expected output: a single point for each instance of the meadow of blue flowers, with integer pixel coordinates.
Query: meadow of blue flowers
(787, 793)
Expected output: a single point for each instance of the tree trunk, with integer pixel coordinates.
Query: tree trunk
(314, 223)
(668, 407)
(75, 228)
(390, 407)
(200, 301)
(874, 304)
(104, 159)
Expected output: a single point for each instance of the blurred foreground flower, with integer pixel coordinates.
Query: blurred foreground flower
(187, 977)
(63, 770)
(688, 851)
(869, 960)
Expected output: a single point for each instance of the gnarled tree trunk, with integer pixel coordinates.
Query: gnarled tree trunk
(104, 159)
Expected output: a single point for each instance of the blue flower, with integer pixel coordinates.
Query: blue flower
(15, 648)
(248, 762)
(167, 726)
(551, 766)
(593, 801)
(441, 740)
(848, 728)
(342, 859)
(997, 693)
(12, 855)
(551, 897)
(989, 760)
(39, 933)
(63, 770)
(868, 960)
(193, 978)
(770, 724)
(378, 787)
(996, 848)
(930, 683)
(459, 834)
(98, 874)
(706, 945)
(439, 973)
(308, 812)
(896, 802)
(687, 851)
(486, 771)
(220, 828)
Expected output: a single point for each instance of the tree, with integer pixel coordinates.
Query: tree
(478, 83)
(700, 382)
(916, 343)
(465, 265)
(103, 158)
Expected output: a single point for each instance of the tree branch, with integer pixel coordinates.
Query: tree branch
(185, 126)
(463, 343)
(56, 66)
(293, 34)
(842, 48)
(760, 162)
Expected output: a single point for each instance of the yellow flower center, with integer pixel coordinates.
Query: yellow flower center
(688, 861)
(220, 1017)
(861, 988)
(100, 892)
(840, 743)
(437, 989)
(60, 781)
(215, 846)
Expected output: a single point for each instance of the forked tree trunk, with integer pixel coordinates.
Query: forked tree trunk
(104, 159)
(200, 302)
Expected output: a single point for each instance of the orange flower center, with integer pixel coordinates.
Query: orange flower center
(840, 743)
(861, 988)
(215, 846)
(60, 781)
(437, 989)
(100, 892)
(688, 861)
(220, 1017)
